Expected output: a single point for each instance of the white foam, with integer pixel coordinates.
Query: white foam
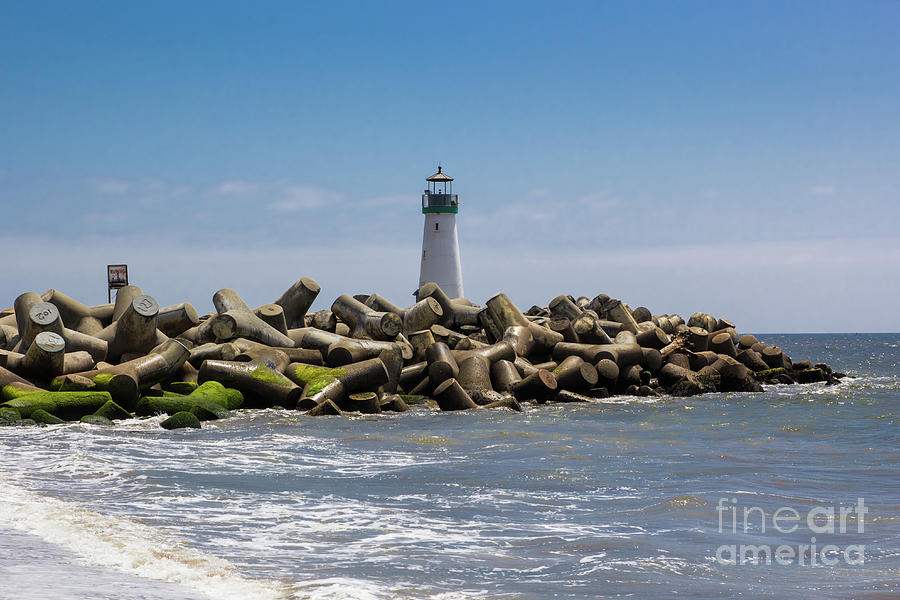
(127, 546)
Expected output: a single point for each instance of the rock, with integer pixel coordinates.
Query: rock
(96, 420)
(181, 420)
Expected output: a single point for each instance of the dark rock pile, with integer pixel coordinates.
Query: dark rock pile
(61, 360)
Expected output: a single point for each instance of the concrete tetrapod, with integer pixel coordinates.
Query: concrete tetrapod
(123, 381)
(209, 401)
(455, 313)
(539, 387)
(178, 318)
(261, 386)
(420, 341)
(296, 301)
(365, 322)
(272, 314)
(46, 356)
(68, 406)
(134, 331)
(565, 307)
(441, 363)
(500, 313)
(421, 315)
(504, 375)
(620, 313)
(451, 396)
(236, 319)
(588, 329)
(563, 326)
(12, 386)
(78, 316)
(43, 316)
(322, 383)
(312, 338)
(475, 377)
(412, 374)
(576, 377)
(324, 320)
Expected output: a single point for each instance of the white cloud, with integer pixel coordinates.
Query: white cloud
(108, 185)
(236, 187)
(822, 190)
(303, 197)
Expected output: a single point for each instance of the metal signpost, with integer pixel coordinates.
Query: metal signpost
(117, 277)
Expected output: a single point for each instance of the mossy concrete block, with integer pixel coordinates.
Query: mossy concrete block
(113, 412)
(26, 406)
(261, 386)
(213, 391)
(15, 390)
(69, 406)
(205, 410)
(181, 420)
(10, 414)
(209, 411)
(313, 377)
(769, 374)
(95, 420)
(122, 387)
(412, 399)
(42, 417)
(169, 404)
(182, 387)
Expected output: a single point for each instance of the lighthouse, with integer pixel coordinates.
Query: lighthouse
(440, 247)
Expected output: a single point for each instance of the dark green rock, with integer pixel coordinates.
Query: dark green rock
(171, 404)
(182, 387)
(412, 398)
(9, 414)
(181, 420)
(69, 406)
(809, 376)
(113, 412)
(769, 374)
(95, 420)
(44, 418)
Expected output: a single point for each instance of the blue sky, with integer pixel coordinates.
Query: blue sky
(735, 158)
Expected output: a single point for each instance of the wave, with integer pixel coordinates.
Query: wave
(127, 546)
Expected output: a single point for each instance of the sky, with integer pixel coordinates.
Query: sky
(735, 158)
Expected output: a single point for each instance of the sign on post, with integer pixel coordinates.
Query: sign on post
(116, 277)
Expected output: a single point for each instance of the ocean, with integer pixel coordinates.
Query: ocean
(626, 497)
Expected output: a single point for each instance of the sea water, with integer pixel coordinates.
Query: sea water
(628, 497)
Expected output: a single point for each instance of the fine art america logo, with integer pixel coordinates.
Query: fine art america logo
(821, 520)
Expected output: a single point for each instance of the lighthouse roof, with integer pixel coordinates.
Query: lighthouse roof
(440, 176)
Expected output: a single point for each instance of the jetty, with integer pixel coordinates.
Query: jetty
(61, 360)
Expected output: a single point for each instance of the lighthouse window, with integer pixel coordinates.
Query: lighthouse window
(437, 226)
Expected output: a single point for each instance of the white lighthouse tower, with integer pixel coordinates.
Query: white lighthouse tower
(440, 247)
